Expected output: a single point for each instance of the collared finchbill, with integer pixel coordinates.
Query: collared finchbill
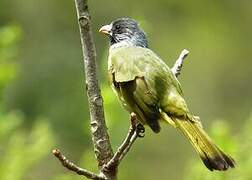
(146, 86)
(106, 29)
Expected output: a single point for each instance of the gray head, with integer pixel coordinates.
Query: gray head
(125, 31)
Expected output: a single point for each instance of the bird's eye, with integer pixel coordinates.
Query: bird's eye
(117, 27)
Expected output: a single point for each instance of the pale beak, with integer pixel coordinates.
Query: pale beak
(105, 29)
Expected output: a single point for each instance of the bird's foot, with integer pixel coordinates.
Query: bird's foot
(140, 130)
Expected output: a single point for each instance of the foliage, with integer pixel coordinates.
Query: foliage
(9, 37)
(20, 150)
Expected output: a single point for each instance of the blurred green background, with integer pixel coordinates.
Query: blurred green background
(43, 103)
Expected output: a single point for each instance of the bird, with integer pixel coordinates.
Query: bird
(146, 86)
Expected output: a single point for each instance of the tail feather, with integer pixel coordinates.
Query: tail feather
(211, 155)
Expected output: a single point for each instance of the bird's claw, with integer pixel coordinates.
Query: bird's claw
(140, 130)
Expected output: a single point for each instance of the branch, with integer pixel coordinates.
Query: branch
(125, 146)
(72, 167)
(100, 137)
(177, 67)
(110, 168)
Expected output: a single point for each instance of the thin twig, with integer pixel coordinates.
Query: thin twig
(177, 67)
(71, 166)
(125, 146)
(126, 150)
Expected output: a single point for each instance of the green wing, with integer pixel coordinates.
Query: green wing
(130, 62)
(145, 84)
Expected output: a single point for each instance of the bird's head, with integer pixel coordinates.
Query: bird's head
(125, 32)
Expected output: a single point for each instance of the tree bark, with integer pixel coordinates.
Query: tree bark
(100, 137)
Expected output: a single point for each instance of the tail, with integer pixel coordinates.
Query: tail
(211, 155)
